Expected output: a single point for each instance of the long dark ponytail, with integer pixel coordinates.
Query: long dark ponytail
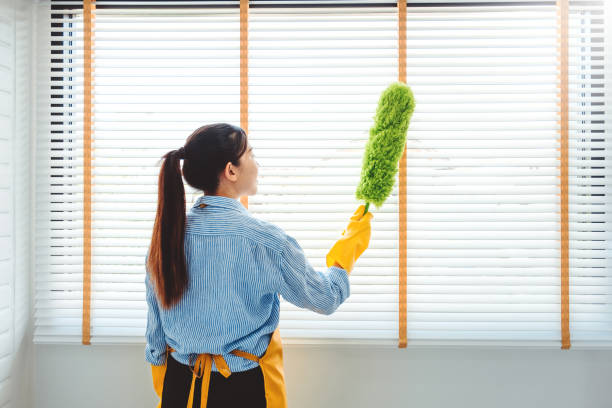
(206, 153)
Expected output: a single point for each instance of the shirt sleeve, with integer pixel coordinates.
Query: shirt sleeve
(308, 288)
(155, 350)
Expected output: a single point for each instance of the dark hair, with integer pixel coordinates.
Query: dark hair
(205, 153)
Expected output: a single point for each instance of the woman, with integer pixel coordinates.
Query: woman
(214, 276)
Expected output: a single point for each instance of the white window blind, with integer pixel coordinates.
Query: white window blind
(590, 171)
(315, 78)
(483, 176)
(159, 74)
(483, 224)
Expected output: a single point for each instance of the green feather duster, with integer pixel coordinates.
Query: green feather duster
(386, 144)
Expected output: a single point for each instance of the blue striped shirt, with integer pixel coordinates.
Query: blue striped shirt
(237, 266)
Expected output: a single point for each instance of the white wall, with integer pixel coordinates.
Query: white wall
(117, 376)
(15, 186)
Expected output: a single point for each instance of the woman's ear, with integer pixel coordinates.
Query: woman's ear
(230, 171)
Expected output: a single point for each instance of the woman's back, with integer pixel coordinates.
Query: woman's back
(237, 267)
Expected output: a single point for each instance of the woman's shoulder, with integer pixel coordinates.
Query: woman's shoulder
(266, 232)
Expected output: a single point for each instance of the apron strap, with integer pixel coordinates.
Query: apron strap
(221, 365)
(246, 355)
(202, 369)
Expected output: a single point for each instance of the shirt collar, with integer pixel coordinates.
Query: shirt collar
(221, 201)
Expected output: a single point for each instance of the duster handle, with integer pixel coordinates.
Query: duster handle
(366, 208)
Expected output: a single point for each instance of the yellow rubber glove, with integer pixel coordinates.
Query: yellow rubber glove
(355, 239)
(158, 373)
